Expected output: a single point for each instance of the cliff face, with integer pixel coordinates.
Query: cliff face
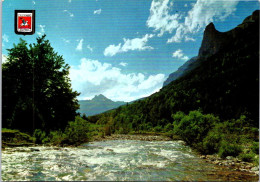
(214, 40)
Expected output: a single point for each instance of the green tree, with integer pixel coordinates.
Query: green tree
(36, 88)
(77, 131)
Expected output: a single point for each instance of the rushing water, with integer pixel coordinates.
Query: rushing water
(107, 160)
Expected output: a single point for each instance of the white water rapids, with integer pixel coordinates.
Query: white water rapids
(115, 160)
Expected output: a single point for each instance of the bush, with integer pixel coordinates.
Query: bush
(77, 131)
(193, 127)
(57, 137)
(247, 157)
(229, 149)
(40, 136)
(211, 143)
(255, 147)
(168, 127)
(107, 130)
(157, 129)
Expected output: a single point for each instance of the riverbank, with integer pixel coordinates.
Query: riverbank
(232, 162)
(142, 137)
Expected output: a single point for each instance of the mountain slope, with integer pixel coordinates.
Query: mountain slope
(97, 105)
(184, 69)
(226, 83)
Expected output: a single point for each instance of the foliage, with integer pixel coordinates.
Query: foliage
(194, 127)
(77, 131)
(212, 142)
(249, 157)
(15, 136)
(36, 88)
(57, 137)
(229, 149)
(255, 147)
(40, 136)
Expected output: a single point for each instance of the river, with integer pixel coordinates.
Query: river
(115, 160)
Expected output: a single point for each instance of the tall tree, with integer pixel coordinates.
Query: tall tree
(36, 88)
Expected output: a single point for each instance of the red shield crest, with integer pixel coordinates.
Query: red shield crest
(25, 22)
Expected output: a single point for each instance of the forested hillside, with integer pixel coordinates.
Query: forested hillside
(226, 84)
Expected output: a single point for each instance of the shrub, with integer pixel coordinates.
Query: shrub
(40, 136)
(229, 149)
(157, 129)
(107, 130)
(77, 131)
(168, 127)
(247, 157)
(211, 143)
(255, 147)
(57, 137)
(193, 127)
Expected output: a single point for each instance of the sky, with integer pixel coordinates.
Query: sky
(123, 49)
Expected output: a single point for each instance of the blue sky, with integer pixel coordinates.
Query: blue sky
(123, 49)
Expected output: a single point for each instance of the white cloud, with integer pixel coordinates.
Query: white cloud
(202, 13)
(80, 45)
(5, 38)
(160, 19)
(92, 77)
(178, 35)
(69, 1)
(4, 58)
(66, 40)
(98, 12)
(33, 2)
(90, 48)
(179, 54)
(112, 50)
(42, 30)
(129, 44)
(205, 11)
(69, 13)
(123, 64)
(187, 38)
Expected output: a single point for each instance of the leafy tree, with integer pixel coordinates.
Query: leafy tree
(77, 131)
(36, 88)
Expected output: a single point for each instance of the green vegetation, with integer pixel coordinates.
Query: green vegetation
(36, 89)
(15, 138)
(208, 135)
(76, 133)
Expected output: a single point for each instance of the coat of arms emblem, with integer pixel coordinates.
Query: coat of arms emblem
(25, 22)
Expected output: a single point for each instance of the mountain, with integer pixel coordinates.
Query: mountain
(185, 68)
(213, 41)
(225, 83)
(97, 105)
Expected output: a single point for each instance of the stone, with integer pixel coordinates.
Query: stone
(255, 169)
(229, 157)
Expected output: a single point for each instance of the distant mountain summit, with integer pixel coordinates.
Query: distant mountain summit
(97, 105)
(101, 98)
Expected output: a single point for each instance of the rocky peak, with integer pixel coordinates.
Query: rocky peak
(212, 41)
(100, 97)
